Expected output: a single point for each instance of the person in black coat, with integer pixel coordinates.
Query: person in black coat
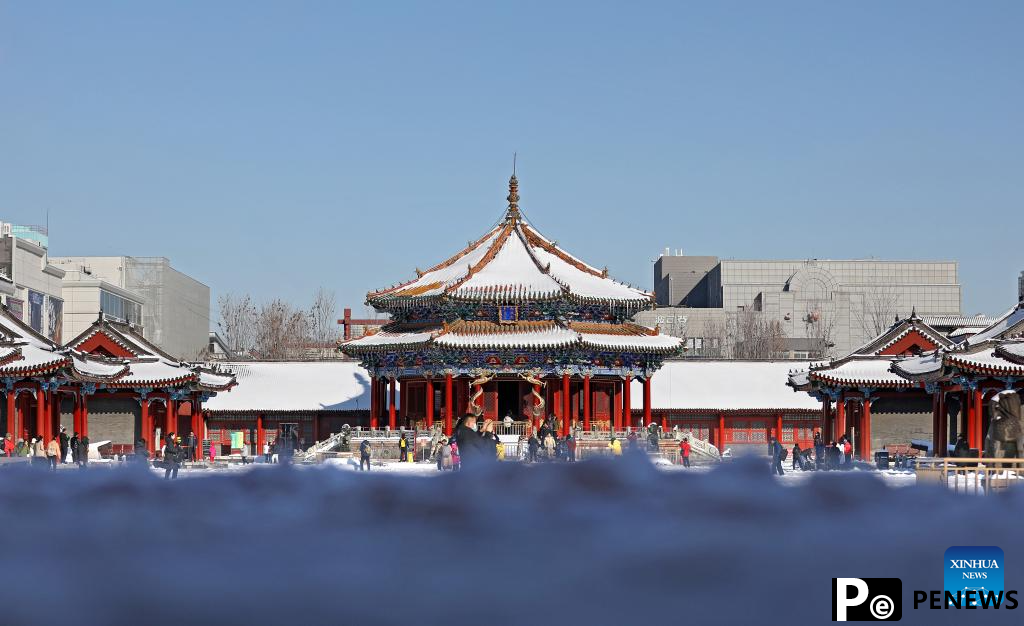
(73, 445)
(83, 451)
(777, 457)
(533, 445)
(172, 458)
(64, 442)
(475, 448)
(819, 451)
(364, 455)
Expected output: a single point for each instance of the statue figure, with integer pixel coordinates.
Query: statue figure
(533, 377)
(1003, 440)
(482, 378)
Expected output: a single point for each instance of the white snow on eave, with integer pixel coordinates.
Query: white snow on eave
(659, 342)
(449, 275)
(1008, 320)
(587, 285)
(556, 336)
(724, 385)
(295, 386)
(511, 267)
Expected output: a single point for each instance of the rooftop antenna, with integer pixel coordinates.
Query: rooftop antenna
(514, 163)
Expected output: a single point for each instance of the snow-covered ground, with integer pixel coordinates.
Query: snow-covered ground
(603, 542)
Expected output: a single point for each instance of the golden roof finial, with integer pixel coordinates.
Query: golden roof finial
(513, 195)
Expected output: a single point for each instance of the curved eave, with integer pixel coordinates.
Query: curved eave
(12, 369)
(93, 378)
(154, 383)
(218, 389)
(665, 351)
(1010, 369)
(860, 382)
(355, 351)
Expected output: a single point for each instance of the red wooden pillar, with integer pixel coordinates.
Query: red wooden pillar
(391, 404)
(429, 398)
(566, 412)
(615, 403)
(840, 417)
(41, 421)
(261, 435)
(586, 402)
(721, 433)
(778, 427)
(971, 418)
(172, 417)
(979, 413)
(147, 429)
(84, 416)
(12, 415)
(865, 430)
(647, 401)
(374, 397)
(627, 408)
(449, 399)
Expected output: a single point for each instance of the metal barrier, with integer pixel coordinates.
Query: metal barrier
(978, 476)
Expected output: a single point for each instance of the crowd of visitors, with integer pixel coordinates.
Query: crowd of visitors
(61, 449)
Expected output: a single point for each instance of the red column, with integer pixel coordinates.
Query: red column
(627, 408)
(778, 427)
(865, 431)
(979, 412)
(147, 429)
(721, 433)
(391, 404)
(586, 403)
(84, 415)
(616, 407)
(840, 417)
(261, 435)
(429, 393)
(971, 418)
(566, 411)
(12, 415)
(41, 428)
(449, 404)
(647, 401)
(373, 401)
(172, 417)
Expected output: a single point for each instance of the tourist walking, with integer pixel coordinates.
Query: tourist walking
(615, 447)
(172, 457)
(38, 451)
(475, 447)
(364, 455)
(8, 445)
(532, 445)
(456, 456)
(570, 448)
(403, 450)
(63, 440)
(52, 452)
(778, 455)
(83, 451)
(266, 452)
(847, 452)
(819, 451)
(549, 446)
(446, 455)
(684, 452)
(73, 445)
(798, 460)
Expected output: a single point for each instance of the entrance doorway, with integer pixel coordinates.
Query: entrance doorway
(509, 400)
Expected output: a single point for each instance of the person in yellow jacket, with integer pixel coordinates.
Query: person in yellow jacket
(615, 447)
(52, 450)
(500, 447)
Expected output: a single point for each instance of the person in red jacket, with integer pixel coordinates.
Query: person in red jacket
(684, 452)
(8, 445)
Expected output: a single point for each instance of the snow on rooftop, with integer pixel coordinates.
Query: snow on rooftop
(724, 385)
(294, 386)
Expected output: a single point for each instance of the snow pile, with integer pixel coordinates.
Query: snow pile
(602, 542)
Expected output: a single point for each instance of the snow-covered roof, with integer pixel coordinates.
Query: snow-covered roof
(985, 361)
(32, 360)
(861, 371)
(1010, 325)
(295, 386)
(917, 367)
(513, 262)
(957, 321)
(91, 367)
(546, 334)
(723, 386)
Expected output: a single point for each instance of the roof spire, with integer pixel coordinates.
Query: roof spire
(512, 215)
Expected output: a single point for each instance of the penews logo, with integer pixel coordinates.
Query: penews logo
(867, 599)
(975, 573)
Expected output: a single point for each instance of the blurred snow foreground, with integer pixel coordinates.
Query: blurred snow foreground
(599, 542)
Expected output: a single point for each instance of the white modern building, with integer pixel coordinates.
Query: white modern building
(31, 286)
(172, 308)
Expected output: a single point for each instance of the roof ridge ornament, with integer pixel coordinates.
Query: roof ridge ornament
(512, 215)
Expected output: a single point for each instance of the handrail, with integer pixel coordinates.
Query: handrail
(971, 475)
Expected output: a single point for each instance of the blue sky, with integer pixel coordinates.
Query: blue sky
(275, 147)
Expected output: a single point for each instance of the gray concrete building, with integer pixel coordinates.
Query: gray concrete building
(793, 309)
(172, 308)
(30, 284)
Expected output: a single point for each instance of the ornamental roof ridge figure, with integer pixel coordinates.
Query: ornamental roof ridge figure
(505, 282)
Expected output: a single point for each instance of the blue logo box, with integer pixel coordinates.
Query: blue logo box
(973, 568)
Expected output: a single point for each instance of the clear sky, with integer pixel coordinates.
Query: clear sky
(275, 147)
